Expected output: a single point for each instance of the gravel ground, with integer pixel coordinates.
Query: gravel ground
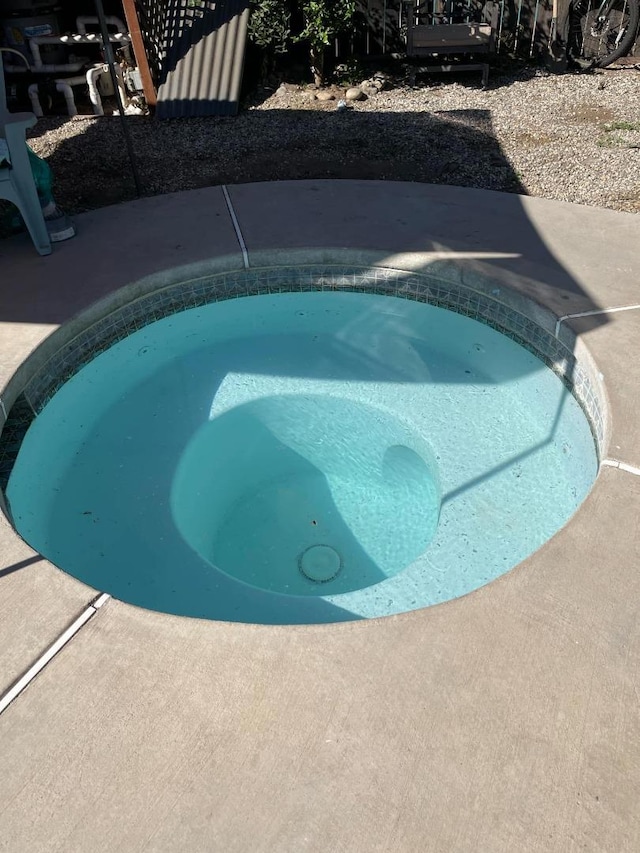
(573, 137)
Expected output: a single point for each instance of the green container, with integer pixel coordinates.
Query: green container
(43, 177)
(10, 219)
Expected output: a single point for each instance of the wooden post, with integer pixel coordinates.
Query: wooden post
(139, 51)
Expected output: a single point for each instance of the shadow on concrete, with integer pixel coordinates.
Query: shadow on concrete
(21, 565)
(450, 148)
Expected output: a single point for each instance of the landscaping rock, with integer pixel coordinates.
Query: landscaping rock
(324, 95)
(355, 94)
(369, 88)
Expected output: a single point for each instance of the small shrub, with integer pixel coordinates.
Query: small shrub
(323, 20)
(270, 25)
(319, 21)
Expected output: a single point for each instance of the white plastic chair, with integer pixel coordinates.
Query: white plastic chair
(16, 180)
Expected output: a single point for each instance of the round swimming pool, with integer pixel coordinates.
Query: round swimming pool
(302, 457)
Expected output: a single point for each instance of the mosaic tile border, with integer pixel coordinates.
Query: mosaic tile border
(462, 298)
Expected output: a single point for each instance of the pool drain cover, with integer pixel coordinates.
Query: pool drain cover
(320, 563)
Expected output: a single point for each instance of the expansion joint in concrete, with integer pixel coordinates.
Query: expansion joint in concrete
(39, 664)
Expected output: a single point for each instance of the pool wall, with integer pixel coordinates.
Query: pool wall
(467, 288)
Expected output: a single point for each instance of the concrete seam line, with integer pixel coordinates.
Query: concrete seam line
(593, 313)
(26, 678)
(623, 466)
(236, 225)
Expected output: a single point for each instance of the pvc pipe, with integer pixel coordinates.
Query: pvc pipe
(94, 95)
(75, 38)
(34, 97)
(87, 38)
(17, 53)
(78, 80)
(34, 44)
(64, 87)
(72, 67)
(111, 20)
(35, 52)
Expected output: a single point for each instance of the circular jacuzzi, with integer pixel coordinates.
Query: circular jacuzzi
(301, 445)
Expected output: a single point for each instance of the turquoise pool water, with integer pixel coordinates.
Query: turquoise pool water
(302, 457)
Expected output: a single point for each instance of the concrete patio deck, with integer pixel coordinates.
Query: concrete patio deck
(507, 720)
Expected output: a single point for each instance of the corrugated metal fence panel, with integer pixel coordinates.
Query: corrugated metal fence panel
(199, 45)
